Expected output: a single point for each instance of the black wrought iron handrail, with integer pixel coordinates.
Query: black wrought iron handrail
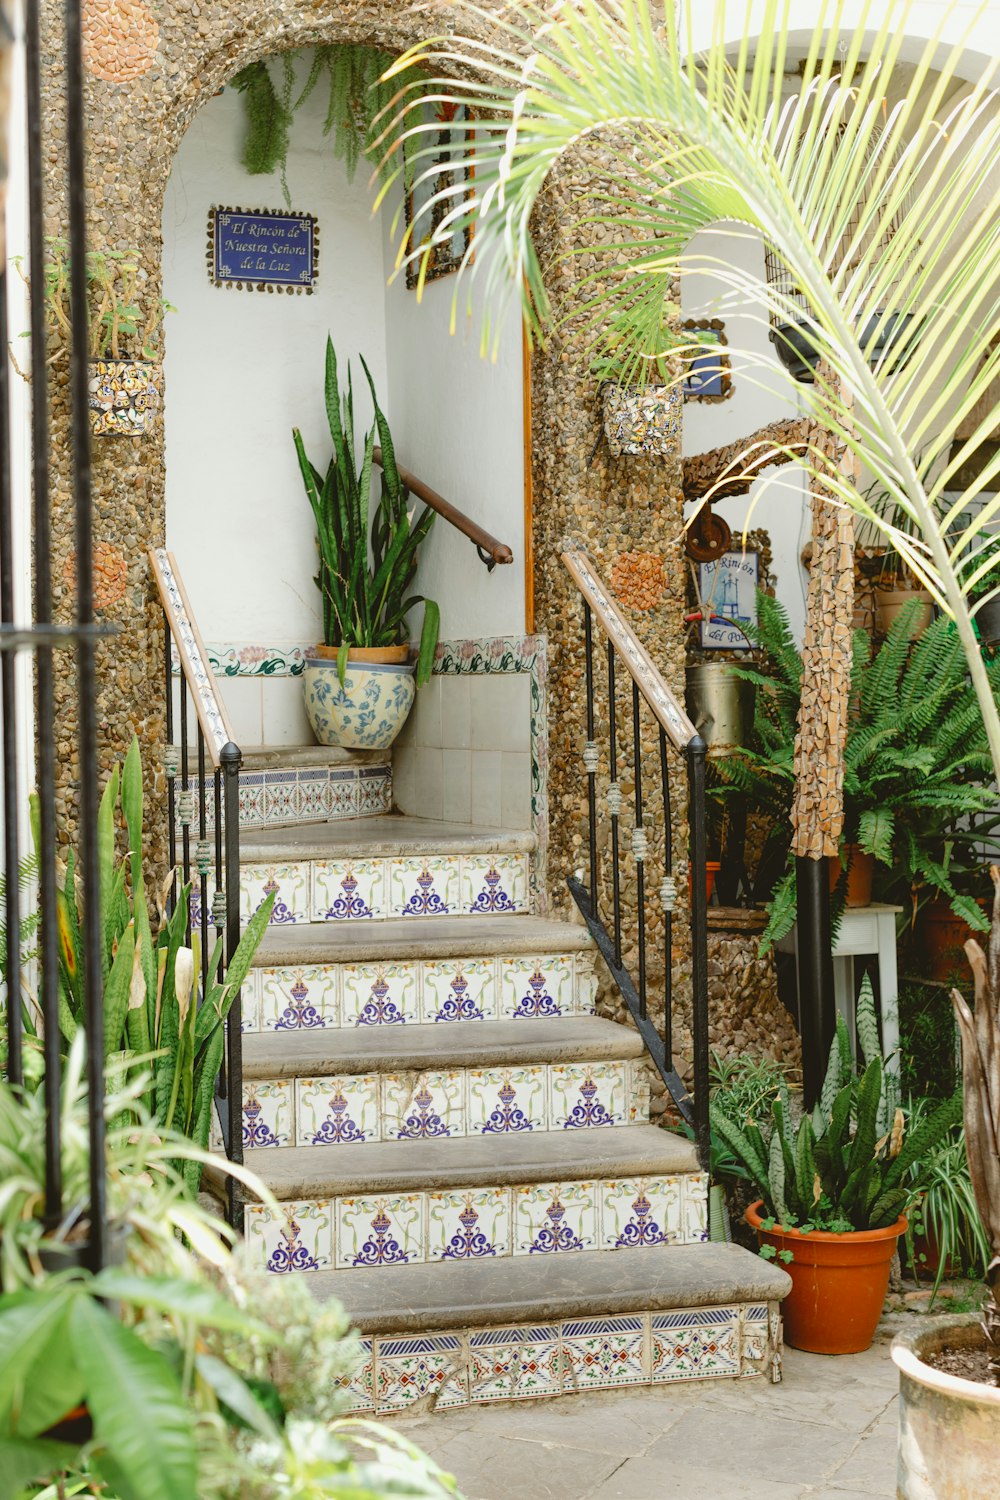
(625, 654)
(490, 550)
(190, 794)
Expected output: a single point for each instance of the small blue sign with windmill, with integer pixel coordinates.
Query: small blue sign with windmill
(728, 587)
(258, 250)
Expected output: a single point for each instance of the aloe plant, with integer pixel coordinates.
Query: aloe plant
(367, 555)
(153, 1001)
(843, 1166)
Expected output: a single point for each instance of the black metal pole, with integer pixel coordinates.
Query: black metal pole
(8, 709)
(699, 943)
(814, 947)
(614, 804)
(639, 848)
(590, 756)
(230, 759)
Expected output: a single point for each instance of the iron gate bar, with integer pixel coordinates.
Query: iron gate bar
(8, 706)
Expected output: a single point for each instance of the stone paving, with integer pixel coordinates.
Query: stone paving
(827, 1432)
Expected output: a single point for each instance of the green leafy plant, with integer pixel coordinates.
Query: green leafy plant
(154, 1001)
(943, 1218)
(27, 872)
(843, 1166)
(367, 553)
(640, 351)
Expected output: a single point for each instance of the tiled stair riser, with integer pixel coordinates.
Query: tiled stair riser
(453, 1102)
(476, 1223)
(273, 799)
(337, 890)
(503, 1364)
(420, 992)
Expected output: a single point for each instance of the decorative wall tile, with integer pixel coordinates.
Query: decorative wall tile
(587, 1095)
(338, 1111)
(754, 1339)
(459, 990)
(297, 1238)
(472, 1225)
(268, 1115)
(502, 1101)
(553, 1217)
(380, 995)
(374, 792)
(249, 1000)
(298, 999)
(290, 883)
(386, 1231)
(637, 1108)
(430, 1367)
(638, 1213)
(694, 1344)
(602, 1352)
(360, 1383)
(494, 885)
(424, 887)
(510, 1364)
(345, 889)
(531, 987)
(695, 1208)
(423, 1106)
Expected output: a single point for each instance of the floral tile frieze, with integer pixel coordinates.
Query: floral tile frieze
(376, 889)
(283, 796)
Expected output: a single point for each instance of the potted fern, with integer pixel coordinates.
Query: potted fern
(361, 679)
(834, 1189)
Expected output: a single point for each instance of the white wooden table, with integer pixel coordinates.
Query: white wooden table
(864, 930)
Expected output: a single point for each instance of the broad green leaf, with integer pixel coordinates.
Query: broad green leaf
(24, 1459)
(196, 1301)
(27, 1322)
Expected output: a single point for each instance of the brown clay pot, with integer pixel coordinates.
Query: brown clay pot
(890, 602)
(860, 869)
(839, 1282)
(942, 938)
(386, 655)
(712, 868)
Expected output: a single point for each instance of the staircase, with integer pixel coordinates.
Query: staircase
(459, 1146)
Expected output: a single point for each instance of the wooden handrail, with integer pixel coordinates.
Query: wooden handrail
(490, 550)
(634, 656)
(191, 653)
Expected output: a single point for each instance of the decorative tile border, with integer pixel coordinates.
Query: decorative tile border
(443, 1103)
(183, 630)
(256, 661)
(429, 992)
(441, 885)
(481, 1223)
(314, 794)
(470, 1366)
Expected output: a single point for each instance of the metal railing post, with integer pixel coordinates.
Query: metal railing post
(231, 759)
(699, 942)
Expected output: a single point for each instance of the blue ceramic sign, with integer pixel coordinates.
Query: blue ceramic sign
(729, 599)
(261, 249)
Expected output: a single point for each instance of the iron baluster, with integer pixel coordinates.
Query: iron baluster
(591, 757)
(203, 860)
(170, 759)
(614, 805)
(230, 762)
(699, 941)
(639, 849)
(668, 897)
(8, 704)
(184, 802)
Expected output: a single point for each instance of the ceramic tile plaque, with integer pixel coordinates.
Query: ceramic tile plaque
(728, 588)
(258, 250)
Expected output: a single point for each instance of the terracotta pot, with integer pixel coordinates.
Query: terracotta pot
(988, 621)
(889, 603)
(386, 655)
(927, 1258)
(860, 870)
(712, 868)
(949, 1428)
(839, 1282)
(942, 938)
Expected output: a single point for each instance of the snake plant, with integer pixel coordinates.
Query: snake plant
(844, 1165)
(367, 554)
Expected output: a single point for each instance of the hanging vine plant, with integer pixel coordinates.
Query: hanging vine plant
(356, 95)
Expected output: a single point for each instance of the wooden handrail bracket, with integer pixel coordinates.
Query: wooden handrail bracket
(191, 653)
(490, 550)
(629, 650)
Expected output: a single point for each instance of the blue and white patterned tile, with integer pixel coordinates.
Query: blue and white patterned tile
(312, 790)
(423, 1106)
(296, 1237)
(598, 1353)
(505, 1101)
(250, 1002)
(348, 889)
(268, 1115)
(473, 1225)
(424, 887)
(282, 800)
(639, 1213)
(374, 792)
(380, 995)
(550, 1218)
(754, 1339)
(298, 999)
(494, 885)
(694, 1344)
(694, 1222)
(584, 1096)
(536, 987)
(638, 1082)
(289, 883)
(428, 1367)
(338, 1111)
(513, 1364)
(383, 1231)
(585, 979)
(360, 1383)
(459, 990)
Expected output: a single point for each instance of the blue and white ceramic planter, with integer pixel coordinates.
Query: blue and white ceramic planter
(369, 710)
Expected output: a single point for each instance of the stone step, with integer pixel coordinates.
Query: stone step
(469, 1198)
(455, 969)
(308, 757)
(448, 1334)
(385, 867)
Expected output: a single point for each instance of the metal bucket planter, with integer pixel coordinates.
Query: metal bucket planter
(123, 396)
(988, 621)
(643, 419)
(949, 1428)
(371, 707)
(721, 706)
(890, 603)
